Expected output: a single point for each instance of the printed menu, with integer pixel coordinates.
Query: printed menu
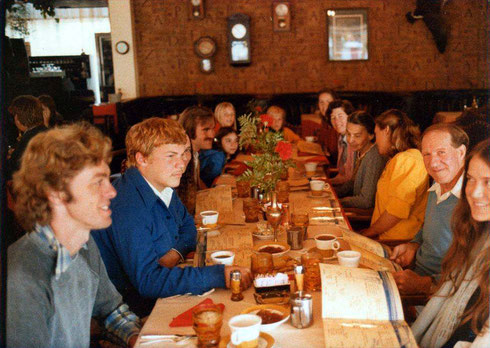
(374, 254)
(362, 308)
(218, 198)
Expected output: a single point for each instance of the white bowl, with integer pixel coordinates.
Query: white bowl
(271, 307)
(223, 257)
(310, 139)
(349, 258)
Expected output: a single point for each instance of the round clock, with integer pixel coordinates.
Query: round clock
(205, 47)
(282, 10)
(239, 31)
(122, 47)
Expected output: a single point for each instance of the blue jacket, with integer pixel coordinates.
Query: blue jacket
(211, 165)
(143, 230)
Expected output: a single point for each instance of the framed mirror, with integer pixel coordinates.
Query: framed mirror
(347, 34)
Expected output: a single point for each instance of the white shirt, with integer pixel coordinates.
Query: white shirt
(456, 190)
(165, 195)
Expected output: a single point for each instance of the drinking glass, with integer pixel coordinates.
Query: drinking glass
(207, 320)
(251, 209)
(262, 263)
(312, 278)
(282, 192)
(301, 219)
(243, 188)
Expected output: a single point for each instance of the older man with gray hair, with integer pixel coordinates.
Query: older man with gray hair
(444, 149)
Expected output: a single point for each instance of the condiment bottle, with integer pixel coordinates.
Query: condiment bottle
(298, 275)
(285, 215)
(236, 286)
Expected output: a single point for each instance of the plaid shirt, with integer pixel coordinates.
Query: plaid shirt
(121, 323)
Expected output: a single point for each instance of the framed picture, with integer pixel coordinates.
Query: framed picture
(347, 34)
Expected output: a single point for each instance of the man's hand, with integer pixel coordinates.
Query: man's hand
(404, 254)
(132, 341)
(246, 276)
(170, 259)
(410, 283)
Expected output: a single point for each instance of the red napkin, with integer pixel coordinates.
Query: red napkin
(185, 319)
(240, 169)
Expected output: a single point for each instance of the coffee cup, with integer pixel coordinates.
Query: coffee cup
(349, 258)
(223, 257)
(327, 242)
(209, 218)
(317, 187)
(310, 139)
(245, 330)
(310, 168)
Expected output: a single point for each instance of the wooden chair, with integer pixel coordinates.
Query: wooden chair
(105, 115)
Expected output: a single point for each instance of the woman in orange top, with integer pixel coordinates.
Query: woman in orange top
(401, 194)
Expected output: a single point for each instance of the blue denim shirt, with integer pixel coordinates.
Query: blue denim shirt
(211, 165)
(143, 230)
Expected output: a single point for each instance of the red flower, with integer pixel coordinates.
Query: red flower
(258, 108)
(284, 149)
(266, 120)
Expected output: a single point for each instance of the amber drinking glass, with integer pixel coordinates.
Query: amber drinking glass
(262, 263)
(282, 192)
(207, 320)
(243, 188)
(312, 278)
(251, 209)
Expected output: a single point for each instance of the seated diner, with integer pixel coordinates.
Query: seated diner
(360, 190)
(401, 194)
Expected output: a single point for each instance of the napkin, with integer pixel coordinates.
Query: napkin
(185, 319)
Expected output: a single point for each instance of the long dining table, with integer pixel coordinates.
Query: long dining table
(239, 238)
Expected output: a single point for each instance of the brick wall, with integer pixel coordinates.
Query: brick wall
(402, 57)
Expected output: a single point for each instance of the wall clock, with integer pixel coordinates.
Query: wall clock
(122, 47)
(281, 16)
(239, 39)
(197, 9)
(205, 48)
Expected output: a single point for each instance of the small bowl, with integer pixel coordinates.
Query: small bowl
(281, 248)
(310, 139)
(349, 258)
(223, 257)
(278, 310)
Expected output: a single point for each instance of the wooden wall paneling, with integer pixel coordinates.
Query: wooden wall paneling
(402, 56)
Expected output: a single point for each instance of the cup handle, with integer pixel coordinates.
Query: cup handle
(335, 245)
(235, 338)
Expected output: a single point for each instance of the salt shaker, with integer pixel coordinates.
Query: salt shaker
(236, 286)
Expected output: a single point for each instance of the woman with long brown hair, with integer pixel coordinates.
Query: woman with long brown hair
(401, 193)
(458, 311)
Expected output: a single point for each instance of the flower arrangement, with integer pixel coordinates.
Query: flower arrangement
(272, 156)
